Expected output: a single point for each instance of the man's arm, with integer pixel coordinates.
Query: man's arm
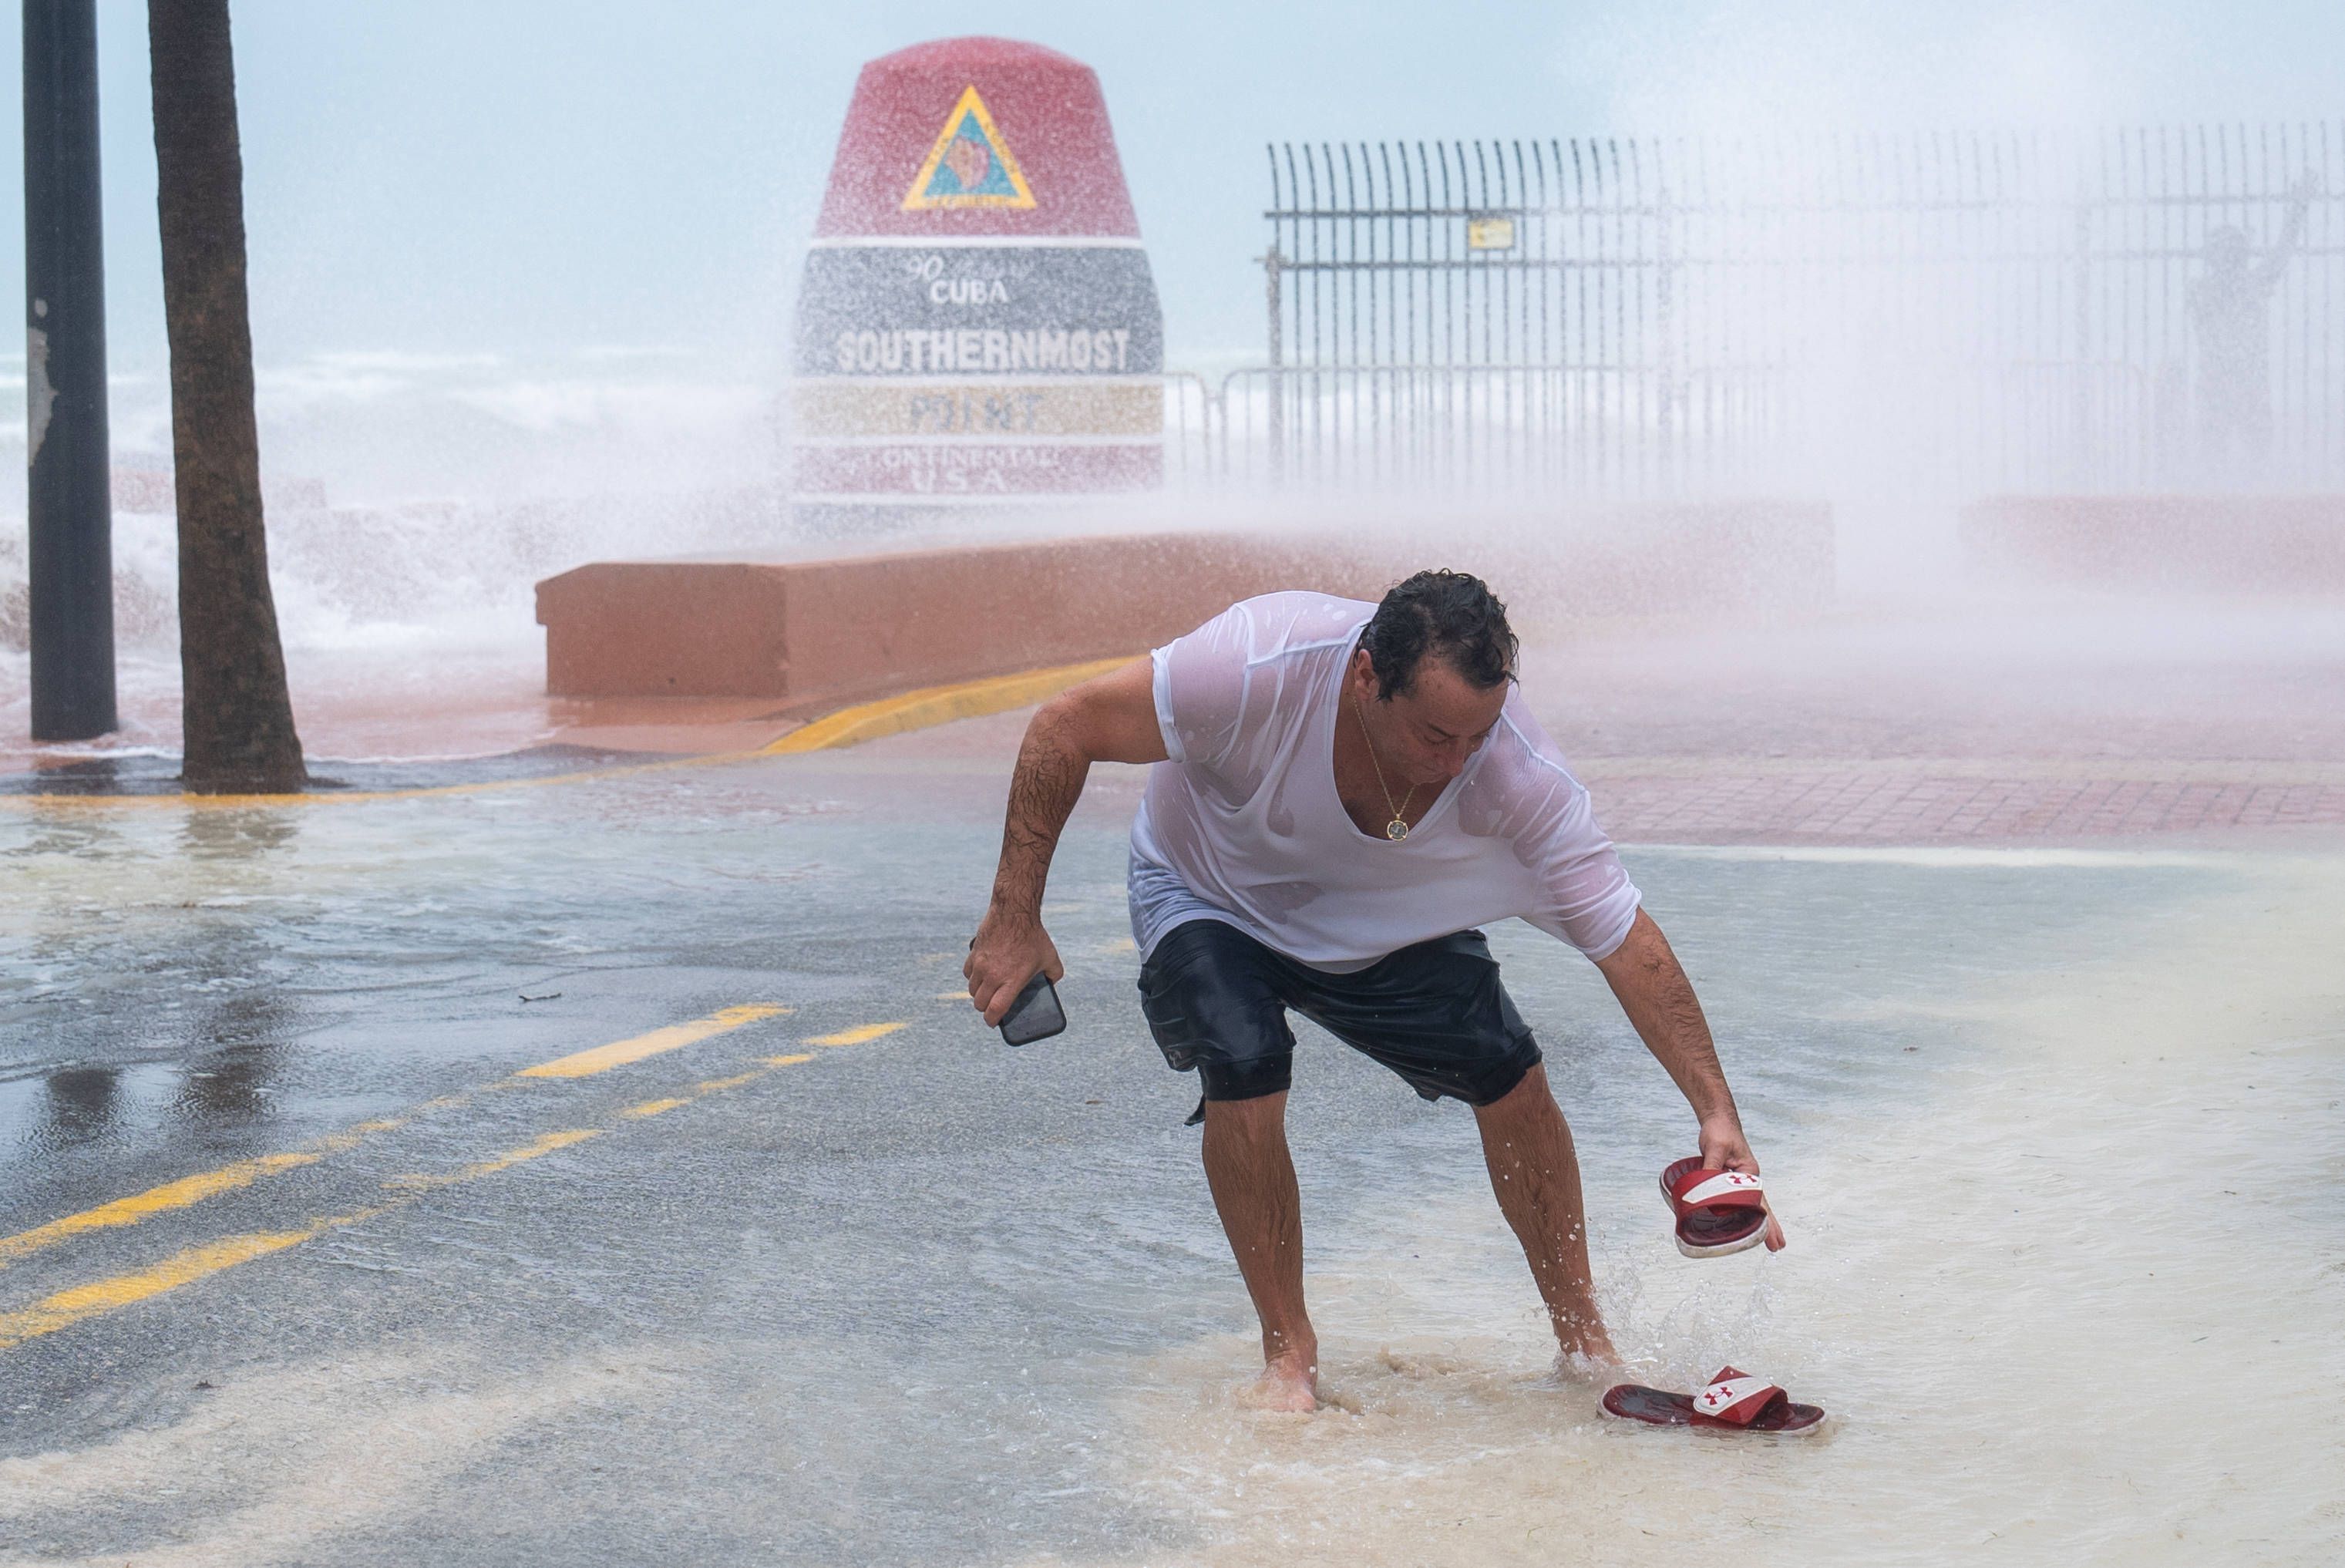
(1111, 718)
(2274, 265)
(1654, 992)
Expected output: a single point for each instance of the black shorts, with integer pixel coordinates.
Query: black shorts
(1216, 1001)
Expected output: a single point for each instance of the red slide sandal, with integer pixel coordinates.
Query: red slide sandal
(1717, 1211)
(1734, 1401)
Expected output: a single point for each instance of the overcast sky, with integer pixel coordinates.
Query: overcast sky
(536, 178)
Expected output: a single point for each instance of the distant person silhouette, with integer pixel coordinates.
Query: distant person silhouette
(2230, 313)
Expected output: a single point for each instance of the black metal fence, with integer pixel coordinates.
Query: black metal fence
(1918, 315)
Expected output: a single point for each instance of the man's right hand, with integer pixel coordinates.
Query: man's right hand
(1010, 949)
(1108, 719)
(1724, 1148)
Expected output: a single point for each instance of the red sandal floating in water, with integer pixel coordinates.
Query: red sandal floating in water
(1733, 1400)
(1717, 1211)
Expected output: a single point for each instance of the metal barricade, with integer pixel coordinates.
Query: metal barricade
(1929, 315)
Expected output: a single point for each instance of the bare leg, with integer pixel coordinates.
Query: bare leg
(1253, 1178)
(1527, 1147)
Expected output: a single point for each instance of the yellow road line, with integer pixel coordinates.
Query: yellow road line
(190, 1190)
(73, 1305)
(130, 1210)
(543, 1144)
(848, 727)
(937, 705)
(186, 1192)
(619, 1053)
(858, 1036)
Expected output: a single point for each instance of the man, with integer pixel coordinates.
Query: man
(1339, 797)
(2230, 308)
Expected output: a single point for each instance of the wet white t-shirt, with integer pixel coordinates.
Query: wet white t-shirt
(1243, 824)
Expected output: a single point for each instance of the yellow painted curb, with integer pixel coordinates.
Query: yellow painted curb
(920, 710)
(935, 705)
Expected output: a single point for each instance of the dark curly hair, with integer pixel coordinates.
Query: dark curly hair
(1451, 614)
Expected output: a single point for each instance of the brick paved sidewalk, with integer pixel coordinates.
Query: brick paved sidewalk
(1983, 724)
(1719, 802)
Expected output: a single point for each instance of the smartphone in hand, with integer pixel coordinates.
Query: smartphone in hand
(1035, 1015)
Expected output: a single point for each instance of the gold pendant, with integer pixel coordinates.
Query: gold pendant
(1395, 829)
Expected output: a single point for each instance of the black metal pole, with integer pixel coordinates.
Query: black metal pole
(1272, 264)
(69, 502)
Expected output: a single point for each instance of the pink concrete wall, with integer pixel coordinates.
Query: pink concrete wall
(2285, 543)
(815, 633)
(821, 632)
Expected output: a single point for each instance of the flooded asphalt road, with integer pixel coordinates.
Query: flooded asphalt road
(812, 1268)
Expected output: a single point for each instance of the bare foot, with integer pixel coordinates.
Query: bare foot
(1289, 1383)
(1579, 1367)
(1586, 1344)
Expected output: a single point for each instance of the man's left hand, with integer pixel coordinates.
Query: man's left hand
(1724, 1148)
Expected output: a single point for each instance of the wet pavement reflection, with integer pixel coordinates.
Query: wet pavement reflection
(793, 1260)
(156, 774)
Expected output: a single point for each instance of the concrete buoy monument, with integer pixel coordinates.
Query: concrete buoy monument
(977, 323)
(977, 337)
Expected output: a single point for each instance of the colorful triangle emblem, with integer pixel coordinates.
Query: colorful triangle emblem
(970, 166)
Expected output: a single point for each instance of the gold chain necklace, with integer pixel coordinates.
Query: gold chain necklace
(1397, 828)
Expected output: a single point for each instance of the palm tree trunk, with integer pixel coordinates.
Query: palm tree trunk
(237, 715)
